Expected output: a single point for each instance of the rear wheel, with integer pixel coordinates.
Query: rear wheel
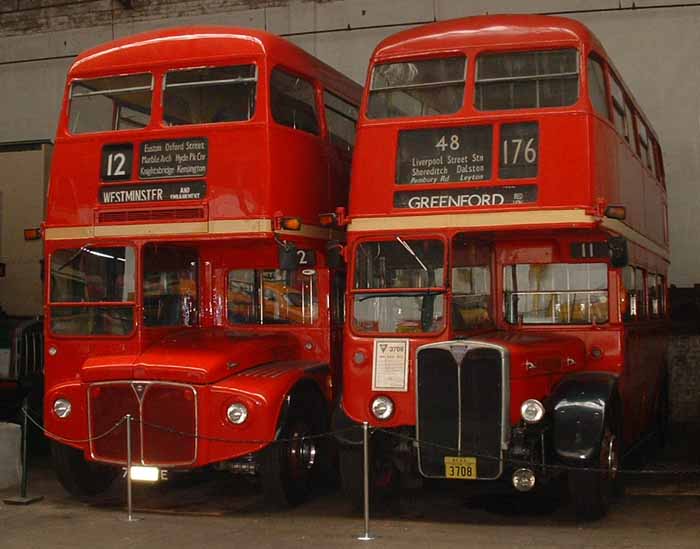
(592, 491)
(290, 467)
(79, 477)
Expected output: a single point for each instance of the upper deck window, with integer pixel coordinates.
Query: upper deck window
(417, 88)
(203, 96)
(112, 103)
(341, 118)
(596, 87)
(621, 116)
(293, 101)
(526, 80)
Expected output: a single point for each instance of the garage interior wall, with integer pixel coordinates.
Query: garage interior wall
(24, 171)
(653, 43)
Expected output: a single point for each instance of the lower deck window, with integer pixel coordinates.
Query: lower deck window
(169, 286)
(398, 313)
(556, 293)
(272, 297)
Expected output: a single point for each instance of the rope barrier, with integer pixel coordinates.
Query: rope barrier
(372, 430)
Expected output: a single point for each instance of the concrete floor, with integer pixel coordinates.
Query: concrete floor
(221, 511)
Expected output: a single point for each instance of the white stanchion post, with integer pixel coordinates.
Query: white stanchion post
(365, 451)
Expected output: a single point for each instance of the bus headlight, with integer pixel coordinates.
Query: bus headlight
(532, 410)
(382, 407)
(62, 408)
(237, 413)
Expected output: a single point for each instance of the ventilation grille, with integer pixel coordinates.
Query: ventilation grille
(172, 214)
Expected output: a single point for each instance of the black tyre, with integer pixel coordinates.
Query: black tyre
(79, 477)
(290, 467)
(592, 491)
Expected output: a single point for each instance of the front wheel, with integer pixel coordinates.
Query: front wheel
(592, 491)
(79, 477)
(290, 465)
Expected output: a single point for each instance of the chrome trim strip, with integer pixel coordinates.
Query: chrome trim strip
(140, 401)
(505, 393)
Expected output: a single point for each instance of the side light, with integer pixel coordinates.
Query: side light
(327, 219)
(32, 234)
(382, 407)
(290, 223)
(62, 408)
(616, 212)
(532, 410)
(237, 413)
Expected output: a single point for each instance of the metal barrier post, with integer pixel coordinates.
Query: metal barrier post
(130, 516)
(23, 499)
(365, 451)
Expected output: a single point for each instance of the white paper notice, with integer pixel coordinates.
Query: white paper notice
(390, 365)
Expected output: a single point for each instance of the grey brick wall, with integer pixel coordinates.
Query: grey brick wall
(684, 371)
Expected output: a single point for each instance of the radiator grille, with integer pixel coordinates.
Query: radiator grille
(164, 414)
(460, 407)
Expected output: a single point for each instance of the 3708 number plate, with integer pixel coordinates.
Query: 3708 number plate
(460, 467)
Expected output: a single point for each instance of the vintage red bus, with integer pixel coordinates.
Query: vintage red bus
(187, 277)
(508, 253)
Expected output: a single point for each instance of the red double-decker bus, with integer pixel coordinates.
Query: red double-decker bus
(508, 254)
(188, 282)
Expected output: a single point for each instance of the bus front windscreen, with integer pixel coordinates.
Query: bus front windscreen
(399, 286)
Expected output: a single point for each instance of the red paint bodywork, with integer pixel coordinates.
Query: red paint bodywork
(584, 166)
(258, 170)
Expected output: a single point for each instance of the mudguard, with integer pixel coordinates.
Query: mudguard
(342, 426)
(579, 406)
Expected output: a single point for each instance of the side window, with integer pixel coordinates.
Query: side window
(653, 294)
(293, 102)
(619, 105)
(645, 150)
(652, 157)
(596, 87)
(661, 292)
(640, 275)
(632, 294)
(471, 284)
(341, 118)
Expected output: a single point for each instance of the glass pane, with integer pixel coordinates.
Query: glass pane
(272, 297)
(202, 96)
(341, 117)
(93, 275)
(393, 313)
(414, 73)
(596, 87)
(527, 80)
(471, 284)
(417, 88)
(169, 286)
(115, 103)
(92, 320)
(556, 293)
(293, 102)
(399, 264)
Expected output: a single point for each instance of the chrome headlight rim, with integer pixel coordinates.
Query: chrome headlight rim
(62, 408)
(532, 411)
(237, 413)
(385, 403)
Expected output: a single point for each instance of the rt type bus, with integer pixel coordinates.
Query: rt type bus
(508, 256)
(187, 276)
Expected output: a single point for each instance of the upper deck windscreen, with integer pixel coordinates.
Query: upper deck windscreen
(202, 96)
(111, 103)
(417, 88)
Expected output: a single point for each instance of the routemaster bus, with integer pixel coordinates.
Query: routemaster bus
(508, 255)
(187, 280)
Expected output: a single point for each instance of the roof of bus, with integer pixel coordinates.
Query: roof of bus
(183, 46)
(484, 30)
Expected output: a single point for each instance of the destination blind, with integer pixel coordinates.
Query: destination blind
(174, 158)
(444, 155)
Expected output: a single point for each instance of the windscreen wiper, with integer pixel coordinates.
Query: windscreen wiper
(410, 251)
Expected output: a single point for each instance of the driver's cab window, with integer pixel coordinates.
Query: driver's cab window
(471, 284)
(272, 296)
(169, 285)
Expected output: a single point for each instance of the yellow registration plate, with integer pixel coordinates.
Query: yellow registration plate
(460, 467)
